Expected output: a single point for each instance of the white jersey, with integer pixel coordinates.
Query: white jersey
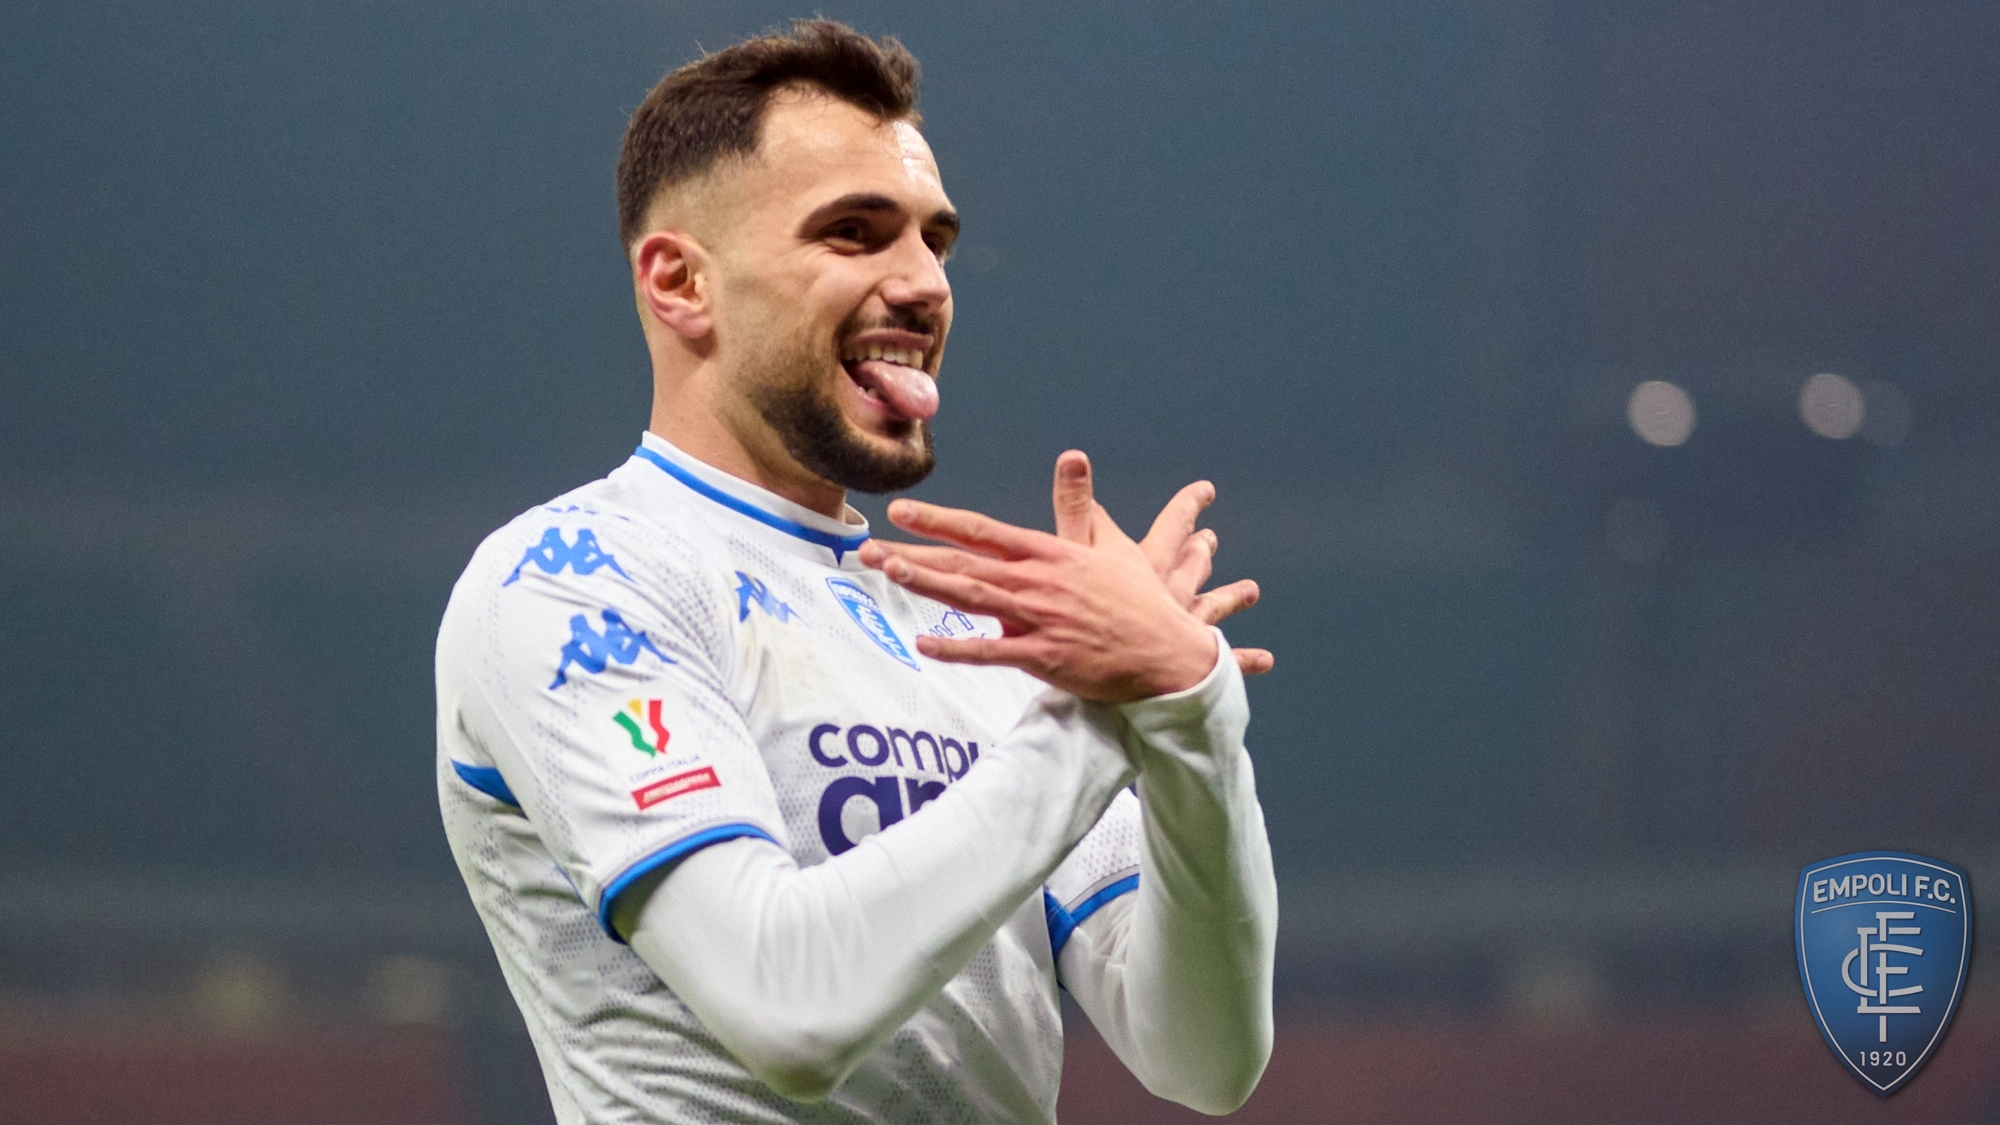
(671, 657)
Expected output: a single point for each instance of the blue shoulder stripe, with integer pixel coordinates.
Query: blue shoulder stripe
(838, 544)
(678, 850)
(1063, 923)
(487, 780)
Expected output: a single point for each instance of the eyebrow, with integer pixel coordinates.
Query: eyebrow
(874, 202)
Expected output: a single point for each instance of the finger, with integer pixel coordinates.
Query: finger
(975, 650)
(876, 553)
(1225, 601)
(1253, 661)
(1196, 564)
(955, 590)
(1175, 523)
(1074, 502)
(967, 529)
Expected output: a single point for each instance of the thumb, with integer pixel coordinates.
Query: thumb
(1074, 503)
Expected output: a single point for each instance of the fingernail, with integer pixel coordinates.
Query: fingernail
(1072, 470)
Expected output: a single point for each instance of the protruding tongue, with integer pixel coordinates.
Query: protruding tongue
(909, 391)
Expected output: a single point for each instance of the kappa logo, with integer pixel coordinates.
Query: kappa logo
(647, 711)
(551, 555)
(1895, 931)
(752, 591)
(593, 651)
(679, 785)
(862, 607)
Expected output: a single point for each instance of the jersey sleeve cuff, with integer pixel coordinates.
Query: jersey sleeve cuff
(1063, 921)
(487, 780)
(671, 853)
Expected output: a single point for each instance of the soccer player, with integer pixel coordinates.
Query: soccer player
(770, 821)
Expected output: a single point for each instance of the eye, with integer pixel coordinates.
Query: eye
(848, 230)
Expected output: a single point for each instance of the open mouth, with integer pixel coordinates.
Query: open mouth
(892, 378)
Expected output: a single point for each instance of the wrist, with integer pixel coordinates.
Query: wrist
(1191, 663)
(1188, 728)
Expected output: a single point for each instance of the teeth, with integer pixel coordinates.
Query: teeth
(891, 355)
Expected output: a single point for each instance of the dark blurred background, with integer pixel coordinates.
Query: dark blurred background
(1604, 394)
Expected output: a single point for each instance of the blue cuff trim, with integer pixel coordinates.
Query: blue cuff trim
(838, 544)
(487, 780)
(1063, 923)
(678, 850)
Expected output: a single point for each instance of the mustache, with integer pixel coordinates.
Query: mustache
(900, 320)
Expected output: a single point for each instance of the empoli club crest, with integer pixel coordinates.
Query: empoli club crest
(1883, 939)
(867, 613)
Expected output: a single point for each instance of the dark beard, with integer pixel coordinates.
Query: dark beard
(808, 421)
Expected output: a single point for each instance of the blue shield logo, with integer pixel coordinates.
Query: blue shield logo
(862, 607)
(1884, 939)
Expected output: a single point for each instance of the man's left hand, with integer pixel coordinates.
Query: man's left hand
(1087, 609)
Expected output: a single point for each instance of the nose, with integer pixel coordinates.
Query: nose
(916, 278)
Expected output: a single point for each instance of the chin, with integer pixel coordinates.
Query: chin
(894, 455)
(877, 463)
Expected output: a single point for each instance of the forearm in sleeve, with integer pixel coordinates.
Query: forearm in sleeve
(1177, 976)
(800, 972)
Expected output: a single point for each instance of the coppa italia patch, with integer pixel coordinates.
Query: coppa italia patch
(649, 710)
(679, 785)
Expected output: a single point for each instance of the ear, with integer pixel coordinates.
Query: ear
(670, 271)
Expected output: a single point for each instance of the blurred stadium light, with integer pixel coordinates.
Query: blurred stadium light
(1661, 413)
(1831, 406)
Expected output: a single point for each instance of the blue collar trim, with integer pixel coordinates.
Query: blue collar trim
(838, 544)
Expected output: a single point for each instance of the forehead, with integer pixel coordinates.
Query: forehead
(814, 148)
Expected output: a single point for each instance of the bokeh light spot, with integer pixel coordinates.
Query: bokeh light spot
(1831, 406)
(1660, 412)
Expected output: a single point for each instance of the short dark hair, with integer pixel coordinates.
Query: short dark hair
(713, 107)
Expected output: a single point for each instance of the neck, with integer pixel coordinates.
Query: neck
(747, 450)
